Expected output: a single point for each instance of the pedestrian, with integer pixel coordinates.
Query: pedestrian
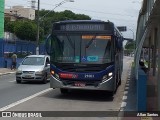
(14, 61)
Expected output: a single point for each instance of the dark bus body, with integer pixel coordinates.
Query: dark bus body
(85, 54)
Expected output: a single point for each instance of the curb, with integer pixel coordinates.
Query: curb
(124, 98)
(7, 73)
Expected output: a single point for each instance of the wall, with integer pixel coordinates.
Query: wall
(1, 18)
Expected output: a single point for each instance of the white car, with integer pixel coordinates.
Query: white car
(34, 68)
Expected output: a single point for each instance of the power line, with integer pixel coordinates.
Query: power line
(100, 12)
(92, 11)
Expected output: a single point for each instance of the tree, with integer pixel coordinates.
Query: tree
(26, 30)
(47, 21)
(9, 25)
(129, 47)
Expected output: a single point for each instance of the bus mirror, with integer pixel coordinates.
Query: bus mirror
(48, 44)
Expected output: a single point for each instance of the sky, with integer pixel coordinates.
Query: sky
(120, 12)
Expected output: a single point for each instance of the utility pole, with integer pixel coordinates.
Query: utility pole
(133, 39)
(38, 21)
(37, 39)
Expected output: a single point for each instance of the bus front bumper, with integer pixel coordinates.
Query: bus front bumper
(107, 85)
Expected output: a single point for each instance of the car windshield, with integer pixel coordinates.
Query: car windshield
(91, 49)
(33, 61)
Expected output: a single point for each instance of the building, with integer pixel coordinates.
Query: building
(20, 12)
(1, 18)
(148, 47)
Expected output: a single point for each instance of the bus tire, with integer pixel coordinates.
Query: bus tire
(63, 90)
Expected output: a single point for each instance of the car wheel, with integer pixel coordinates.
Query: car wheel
(63, 90)
(18, 81)
(45, 79)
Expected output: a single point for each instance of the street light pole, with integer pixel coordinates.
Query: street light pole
(57, 5)
(37, 40)
(132, 32)
(133, 38)
(38, 20)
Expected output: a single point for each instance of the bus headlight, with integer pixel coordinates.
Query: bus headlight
(110, 74)
(106, 77)
(54, 74)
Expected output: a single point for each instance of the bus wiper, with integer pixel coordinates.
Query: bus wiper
(70, 41)
(90, 42)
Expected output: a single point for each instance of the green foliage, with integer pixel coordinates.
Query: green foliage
(130, 45)
(27, 29)
(129, 48)
(9, 25)
(47, 21)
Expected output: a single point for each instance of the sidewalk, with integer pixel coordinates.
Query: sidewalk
(131, 98)
(4, 71)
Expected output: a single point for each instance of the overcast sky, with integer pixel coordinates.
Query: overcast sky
(121, 12)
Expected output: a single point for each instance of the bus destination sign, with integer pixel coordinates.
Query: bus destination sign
(82, 27)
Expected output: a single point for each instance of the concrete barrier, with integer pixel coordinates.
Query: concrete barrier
(6, 62)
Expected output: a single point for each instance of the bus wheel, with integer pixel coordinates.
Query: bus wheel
(63, 90)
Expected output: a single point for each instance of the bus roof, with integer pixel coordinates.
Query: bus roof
(84, 21)
(109, 29)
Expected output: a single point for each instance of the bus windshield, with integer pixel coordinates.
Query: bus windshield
(89, 49)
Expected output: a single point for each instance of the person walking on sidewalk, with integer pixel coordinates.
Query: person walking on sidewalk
(14, 61)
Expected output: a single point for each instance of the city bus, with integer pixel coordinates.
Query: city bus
(86, 55)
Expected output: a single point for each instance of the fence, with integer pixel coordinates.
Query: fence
(21, 48)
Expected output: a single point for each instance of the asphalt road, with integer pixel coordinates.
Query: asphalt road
(11, 92)
(53, 100)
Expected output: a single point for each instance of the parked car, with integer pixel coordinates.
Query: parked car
(34, 68)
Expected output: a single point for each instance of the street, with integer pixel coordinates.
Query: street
(11, 92)
(53, 100)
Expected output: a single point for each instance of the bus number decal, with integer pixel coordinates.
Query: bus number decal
(89, 76)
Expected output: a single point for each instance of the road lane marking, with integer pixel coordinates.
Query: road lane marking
(123, 104)
(124, 98)
(25, 99)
